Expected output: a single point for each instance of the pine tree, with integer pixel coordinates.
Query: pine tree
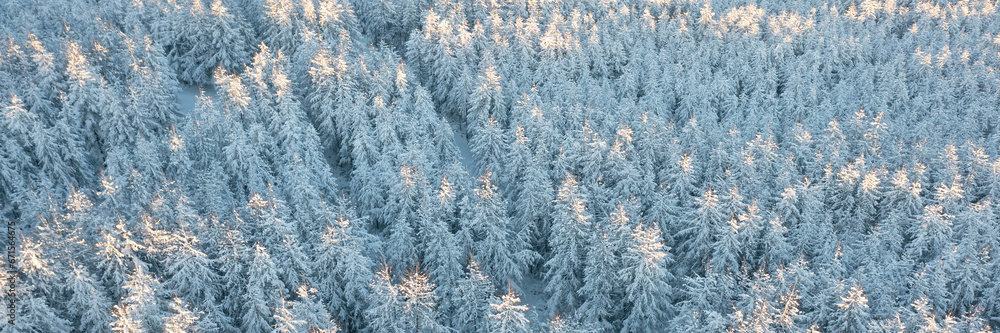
(234, 255)
(570, 227)
(488, 145)
(647, 294)
(931, 235)
(701, 230)
(405, 191)
(533, 204)
(506, 315)
(473, 297)
(311, 313)
(419, 303)
(34, 315)
(191, 275)
(601, 282)
(386, 310)
(343, 272)
(181, 320)
(221, 40)
(140, 300)
(79, 105)
(263, 293)
(88, 305)
(853, 315)
(272, 229)
(441, 255)
(285, 320)
(503, 256)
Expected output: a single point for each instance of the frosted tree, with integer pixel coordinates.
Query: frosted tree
(34, 315)
(441, 256)
(342, 271)
(507, 315)
(419, 303)
(41, 99)
(386, 310)
(263, 293)
(117, 253)
(140, 300)
(311, 313)
(281, 25)
(79, 102)
(488, 145)
(931, 235)
(853, 315)
(405, 191)
(88, 306)
(181, 318)
(570, 227)
(501, 254)
(647, 294)
(966, 265)
(272, 229)
(336, 18)
(285, 321)
(333, 107)
(249, 171)
(701, 229)
(234, 255)
(222, 40)
(18, 124)
(191, 275)
(473, 296)
(601, 283)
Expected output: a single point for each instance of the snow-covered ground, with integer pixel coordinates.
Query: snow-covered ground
(463, 146)
(533, 295)
(188, 96)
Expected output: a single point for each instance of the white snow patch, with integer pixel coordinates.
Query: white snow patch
(533, 295)
(188, 96)
(463, 147)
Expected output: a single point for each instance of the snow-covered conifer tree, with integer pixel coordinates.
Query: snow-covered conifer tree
(647, 293)
(386, 310)
(263, 293)
(568, 241)
(473, 296)
(507, 315)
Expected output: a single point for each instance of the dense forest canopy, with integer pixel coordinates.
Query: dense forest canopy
(501, 165)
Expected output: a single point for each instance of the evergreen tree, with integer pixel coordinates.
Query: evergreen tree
(853, 315)
(701, 229)
(600, 284)
(506, 315)
(181, 320)
(88, 305)
(263, 293)
(647, 293)
(570, 227)
(222, 40)
(473, 296)
(386, 310)
(419, 303)
(343, 272)
(312, 314)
